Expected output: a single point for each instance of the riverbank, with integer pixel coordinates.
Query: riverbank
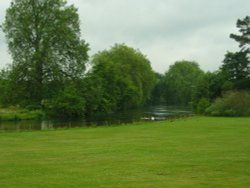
(189, 152)
(17, 114)
(12, 118)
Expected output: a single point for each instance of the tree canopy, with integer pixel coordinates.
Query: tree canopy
(49, 58)
(179, 81)
(236, 65)
(123, 78)
(244, 29)
(44, 40)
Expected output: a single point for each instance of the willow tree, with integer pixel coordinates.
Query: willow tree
(121, 78)
(44, 40)
(179, 82)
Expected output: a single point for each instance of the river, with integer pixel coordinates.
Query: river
(152, 113)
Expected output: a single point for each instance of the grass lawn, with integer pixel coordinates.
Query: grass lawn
(194, 152)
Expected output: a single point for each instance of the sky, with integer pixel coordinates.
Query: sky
(165, 31)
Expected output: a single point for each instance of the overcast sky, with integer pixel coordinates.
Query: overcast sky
(164, 30)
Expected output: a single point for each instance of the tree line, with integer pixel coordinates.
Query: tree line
(49, 68)
(222, 92)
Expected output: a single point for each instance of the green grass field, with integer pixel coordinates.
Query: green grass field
(193, 152)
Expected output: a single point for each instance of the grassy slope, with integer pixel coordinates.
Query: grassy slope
(195, 152)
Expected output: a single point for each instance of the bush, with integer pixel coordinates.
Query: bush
(202, 105)
(233, 103)
(67, 104)
(17, 113)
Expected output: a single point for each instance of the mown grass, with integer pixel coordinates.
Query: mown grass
(193, 152)
(16, 114)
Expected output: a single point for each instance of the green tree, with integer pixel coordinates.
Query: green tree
(236, 65)
(208, 87)
(179, 82)
(123, 78)
(200, 93)
(244, 29)
(45, 43)
(4, 82)
(67, 104)
(158, 91)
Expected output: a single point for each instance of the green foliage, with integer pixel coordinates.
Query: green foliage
(157, 97)
(17, 113)
(66, 104)
(200, 93)
(236, 65)
(244, 29)
(179, 82)
(4, 87)
(209, 86)
(121, 78)
(49, 59)
(202, 105)
(46, 48)
(227, 86)
(233, 103)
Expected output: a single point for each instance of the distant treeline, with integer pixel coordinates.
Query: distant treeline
(49, 70)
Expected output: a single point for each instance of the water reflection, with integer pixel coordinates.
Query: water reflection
(152, 113)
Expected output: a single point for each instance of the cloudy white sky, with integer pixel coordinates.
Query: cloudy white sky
(164, 30)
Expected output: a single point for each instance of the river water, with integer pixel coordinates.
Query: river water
(152, 113)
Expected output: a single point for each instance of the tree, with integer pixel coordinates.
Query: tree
(179, 81)
(208, 87)
(158, 91)
(67, 104)
(236, 65)
(45, 43)
(4, 94)
(244, 38)
(123, 78)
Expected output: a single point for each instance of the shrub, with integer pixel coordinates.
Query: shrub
(67, 104)
(233, 103)
(17, 113)
(202, 105)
